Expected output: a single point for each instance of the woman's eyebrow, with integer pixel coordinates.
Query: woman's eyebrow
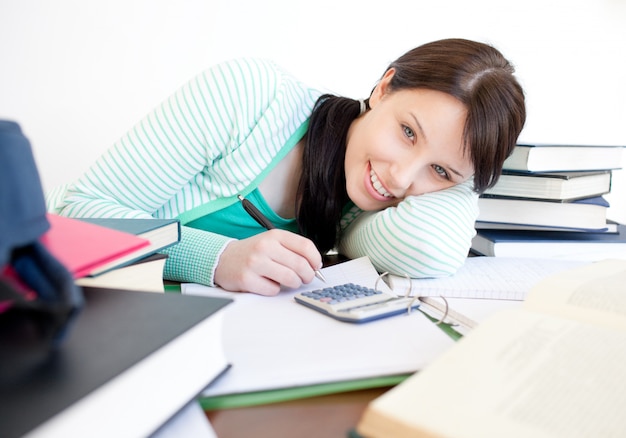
(456, 172)
(419, 127)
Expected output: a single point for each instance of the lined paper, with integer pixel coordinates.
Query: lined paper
(499, 278)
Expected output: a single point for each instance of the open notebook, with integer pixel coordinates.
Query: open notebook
(276, 343)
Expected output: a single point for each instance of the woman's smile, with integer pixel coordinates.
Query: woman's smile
(375, 187)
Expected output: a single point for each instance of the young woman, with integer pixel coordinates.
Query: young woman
(394, 176)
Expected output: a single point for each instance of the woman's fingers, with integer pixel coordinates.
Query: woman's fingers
(262, 263)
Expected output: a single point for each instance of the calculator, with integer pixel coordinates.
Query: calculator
(355, 303)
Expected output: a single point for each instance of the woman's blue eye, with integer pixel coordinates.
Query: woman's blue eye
(408, 132)
(441, 171)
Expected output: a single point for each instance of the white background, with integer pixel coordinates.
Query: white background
(77, 74)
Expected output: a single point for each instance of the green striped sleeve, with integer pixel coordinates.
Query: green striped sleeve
(194, 260)
(209, 140)
(424, 236)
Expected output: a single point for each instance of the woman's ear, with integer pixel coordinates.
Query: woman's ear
(381, 88)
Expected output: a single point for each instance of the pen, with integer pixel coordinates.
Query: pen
(265, 223)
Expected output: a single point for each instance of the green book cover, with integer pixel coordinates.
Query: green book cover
(280, 395)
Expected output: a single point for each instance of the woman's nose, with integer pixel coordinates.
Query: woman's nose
(404, 175)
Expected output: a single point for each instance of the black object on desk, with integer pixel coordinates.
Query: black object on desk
(131, 347)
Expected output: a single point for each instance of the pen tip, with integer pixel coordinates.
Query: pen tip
(319, 275)
(240, 197)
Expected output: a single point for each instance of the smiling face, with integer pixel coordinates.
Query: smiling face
(409, 143)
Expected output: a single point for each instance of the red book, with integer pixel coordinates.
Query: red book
(88, 249)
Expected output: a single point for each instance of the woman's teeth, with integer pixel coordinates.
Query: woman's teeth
(378, 186)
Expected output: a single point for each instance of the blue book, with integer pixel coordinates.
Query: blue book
(567, 245)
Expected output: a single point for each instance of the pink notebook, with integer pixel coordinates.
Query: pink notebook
(88, 249)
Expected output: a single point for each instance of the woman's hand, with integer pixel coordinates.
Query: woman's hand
(262, 263)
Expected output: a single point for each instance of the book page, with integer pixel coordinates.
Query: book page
(594, 293)
(519, 374)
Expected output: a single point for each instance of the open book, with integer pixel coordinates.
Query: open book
(552, 368)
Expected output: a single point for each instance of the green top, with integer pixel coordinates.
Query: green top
(233, 221)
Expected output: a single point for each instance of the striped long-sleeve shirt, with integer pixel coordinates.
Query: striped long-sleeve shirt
(219, 135)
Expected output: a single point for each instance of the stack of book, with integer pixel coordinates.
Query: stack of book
(113, 252)
(549, 202)
(131, 361)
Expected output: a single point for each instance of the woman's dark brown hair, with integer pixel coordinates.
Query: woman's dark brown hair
(474, 73)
